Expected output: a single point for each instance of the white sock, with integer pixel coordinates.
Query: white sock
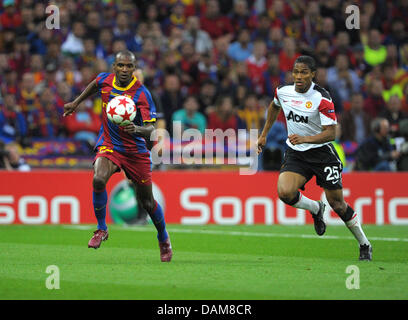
(307, 204)
(355, 227)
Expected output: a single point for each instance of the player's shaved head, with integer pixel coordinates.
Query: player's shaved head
(124, 65)
(125, 54)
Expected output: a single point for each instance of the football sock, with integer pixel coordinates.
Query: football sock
(157, 217)
(352, 222)
(307, 204)
(100, 198)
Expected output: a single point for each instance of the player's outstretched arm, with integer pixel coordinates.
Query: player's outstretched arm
(143, 131)
(273, 111)
(90, 90)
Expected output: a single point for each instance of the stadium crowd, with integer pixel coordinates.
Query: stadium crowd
(210, 64)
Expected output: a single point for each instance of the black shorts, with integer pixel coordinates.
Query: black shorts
(322, 162)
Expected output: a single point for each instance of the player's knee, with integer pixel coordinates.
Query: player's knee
(98, 183)
(147, 204)
(288, 196)
(338, 206)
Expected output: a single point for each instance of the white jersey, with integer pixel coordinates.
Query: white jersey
(306, 112)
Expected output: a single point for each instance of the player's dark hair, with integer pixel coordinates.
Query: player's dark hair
(125, 53)
(307, 60)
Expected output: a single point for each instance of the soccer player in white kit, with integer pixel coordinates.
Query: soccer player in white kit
(311, 122)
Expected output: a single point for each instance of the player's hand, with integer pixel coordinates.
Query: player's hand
(260, 144)
(130, 128)
(296, 139)
(70, 108)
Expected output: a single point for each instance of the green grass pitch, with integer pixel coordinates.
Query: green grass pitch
(209, 262)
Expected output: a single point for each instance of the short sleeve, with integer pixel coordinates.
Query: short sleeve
(327, 112)
(146, 105)
(100, 78)
(276, 98)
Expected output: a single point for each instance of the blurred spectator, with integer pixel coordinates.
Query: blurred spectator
(171, 98)
(104, 47)
(214, 22)
(7, 43)
(312, 23)
(342, 45)
(13, 126)
(188, 66)
(16, 162)
(49, 80)
(47, 119)
(176, 19)
(374, 102)
(37, 68)
(391, 78)
(73, 45)
(404, 55)
(241, 17)
(4, 162)
(206, 68)
(88, 57)
(256, 66)
(68, 72)
(328, 29)
(123, 31)
(273, 76)
(10, 83)
(376, 153)
(252, 113)
(321, 80)
(275, 40)
(339, 147)
(84, 124)
(199, 38)
(343, 78)
(28, 96)
(93, 25)
(207, 96)
(241, 49)
(11, 17)
(272, 156)
(288, 54)
(189, 116)
(394, 115)
(355, 122)
(402, 164)
(220, 53)
(397, 34)
(224, 116)
(322, 53)
(263, 28)
(374, 52)
(358, 63)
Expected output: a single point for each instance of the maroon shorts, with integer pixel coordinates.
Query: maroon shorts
(137, 166)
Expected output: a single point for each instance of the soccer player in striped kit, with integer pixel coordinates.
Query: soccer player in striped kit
(124, 147)
(311, 122)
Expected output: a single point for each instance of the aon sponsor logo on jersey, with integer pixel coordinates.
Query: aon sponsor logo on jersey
(297, 118)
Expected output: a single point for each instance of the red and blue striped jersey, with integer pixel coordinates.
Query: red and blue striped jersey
(113, 136)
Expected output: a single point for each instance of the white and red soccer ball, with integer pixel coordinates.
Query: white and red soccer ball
(121, 110)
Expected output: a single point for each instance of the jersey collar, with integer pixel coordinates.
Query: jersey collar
(123, 88)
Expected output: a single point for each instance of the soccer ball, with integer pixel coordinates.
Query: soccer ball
(121, 110)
